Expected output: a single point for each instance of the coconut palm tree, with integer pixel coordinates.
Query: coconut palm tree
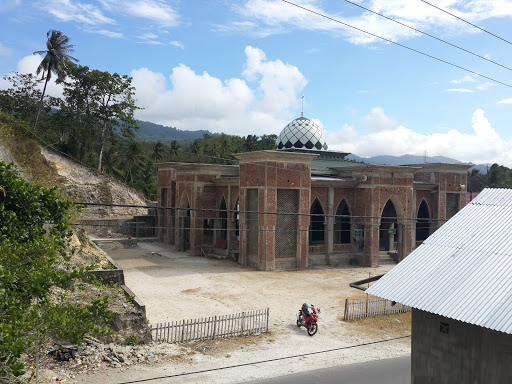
(56, 53)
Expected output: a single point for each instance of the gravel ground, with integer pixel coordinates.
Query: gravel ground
(176, 286)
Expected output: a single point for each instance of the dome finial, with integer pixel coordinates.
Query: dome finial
(302, 112)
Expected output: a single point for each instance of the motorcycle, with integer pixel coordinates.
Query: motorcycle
(308, 319)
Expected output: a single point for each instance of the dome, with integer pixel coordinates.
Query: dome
(301, 133)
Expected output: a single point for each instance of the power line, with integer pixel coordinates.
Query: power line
(460, 18)
(234, 211)
(394, 42)
(264, 361)
(429, 35)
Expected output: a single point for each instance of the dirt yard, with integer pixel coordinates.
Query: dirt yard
(175, 286)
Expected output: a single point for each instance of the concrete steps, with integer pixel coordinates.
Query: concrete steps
(387, 258)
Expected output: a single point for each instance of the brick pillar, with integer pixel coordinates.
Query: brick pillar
(330, 227)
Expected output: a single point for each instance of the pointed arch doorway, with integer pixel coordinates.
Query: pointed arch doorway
(422, 223)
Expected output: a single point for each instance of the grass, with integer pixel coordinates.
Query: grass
(388, 325)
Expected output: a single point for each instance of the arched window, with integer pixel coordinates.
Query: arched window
(342, 224)
(423, 222)
(316, 226)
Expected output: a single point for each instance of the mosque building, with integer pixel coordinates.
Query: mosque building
(301, 205)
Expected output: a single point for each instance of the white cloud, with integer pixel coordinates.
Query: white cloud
(484, 86)
(29, 64)
(200, 101)
(155, 10)
(346, 133)
(108, 11)
(465, 79)
(275, 16)
(483, 145)
(4, 51)
(278, 81)
(460, 90)
(377, 120)
(67, 10)
(505, 101)
(177, 44)
(104, 32)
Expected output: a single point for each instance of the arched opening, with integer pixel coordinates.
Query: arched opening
(342, 224)
(423, 222)
(236, 217)
(316, 225)
(184, 224)
(223, 221)
(187, 228)
(388, 234)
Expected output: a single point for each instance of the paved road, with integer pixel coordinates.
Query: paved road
(388, 371)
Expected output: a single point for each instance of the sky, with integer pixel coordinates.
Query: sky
(242, 66)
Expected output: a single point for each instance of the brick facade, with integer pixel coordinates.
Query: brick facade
(198, 208)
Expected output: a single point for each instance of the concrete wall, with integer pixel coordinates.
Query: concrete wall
(450, 351)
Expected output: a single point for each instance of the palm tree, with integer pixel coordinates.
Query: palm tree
(133, 158)
(158, 151)
(56, 53)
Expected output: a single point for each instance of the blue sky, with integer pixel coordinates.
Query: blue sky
(241, 67)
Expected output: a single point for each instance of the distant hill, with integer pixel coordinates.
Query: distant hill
(404, 159)
(482, 168)
(155, 132)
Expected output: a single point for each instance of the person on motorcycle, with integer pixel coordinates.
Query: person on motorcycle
(305, 309)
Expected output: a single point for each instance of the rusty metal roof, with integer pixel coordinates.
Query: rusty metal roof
(463, 270)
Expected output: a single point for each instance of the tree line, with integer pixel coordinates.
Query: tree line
(497, 176)
(93, 121)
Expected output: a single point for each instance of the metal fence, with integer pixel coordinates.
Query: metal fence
(369, 307)
(239, 324)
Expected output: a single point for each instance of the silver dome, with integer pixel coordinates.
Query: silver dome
(302, 133)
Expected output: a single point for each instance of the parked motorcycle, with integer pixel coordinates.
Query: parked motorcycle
(308, 319)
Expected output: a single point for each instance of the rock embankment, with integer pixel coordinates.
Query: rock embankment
(89, 185)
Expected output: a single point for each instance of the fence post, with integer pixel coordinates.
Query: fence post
(268, 313)
(214, 326)
(345, 315)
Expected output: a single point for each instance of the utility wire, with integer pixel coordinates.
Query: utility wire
(264, 361)
(394, 42)
(232, 211)
(460, 18)
(429, 35)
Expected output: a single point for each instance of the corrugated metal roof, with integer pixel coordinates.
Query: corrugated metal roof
(463, 270)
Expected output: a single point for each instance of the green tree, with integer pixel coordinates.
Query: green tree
(250, 143)
(499, 176)
(34, 235)
(175, 148)
(158, 151)
(102, 101)
(57, 52)
(133, 160)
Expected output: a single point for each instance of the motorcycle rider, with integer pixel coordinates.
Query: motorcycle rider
(305, 309)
